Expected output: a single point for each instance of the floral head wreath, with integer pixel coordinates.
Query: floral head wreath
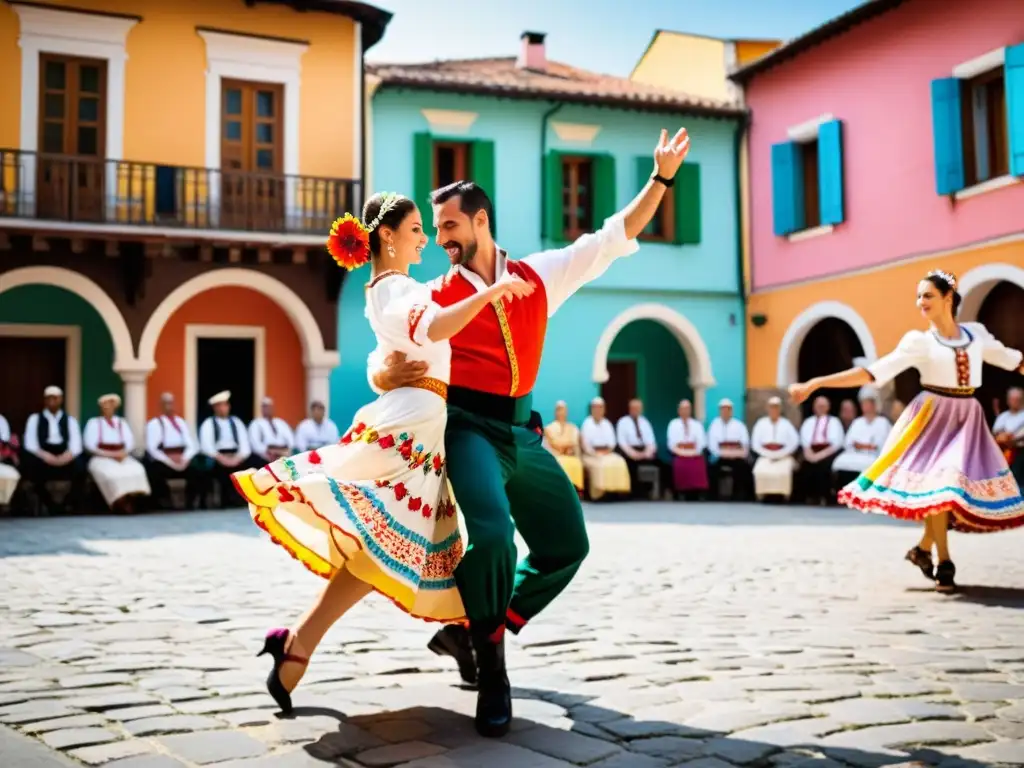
(349, 240)
(947, 277)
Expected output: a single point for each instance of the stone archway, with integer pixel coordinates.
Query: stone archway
(787, 370)
(701, 374)
(975, 286)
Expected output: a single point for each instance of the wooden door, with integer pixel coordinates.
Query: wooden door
(226, 364)
(620, 388)
(41, 362)
(252, 155)
(72, 132)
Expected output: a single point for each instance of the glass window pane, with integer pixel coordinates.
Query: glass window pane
(264, 133)
(89, 78)
(87, 140)
(54, 105)
(264, 159)
(233, 101)
(53, 138)
(265, 103)
(55, 75)
(88, 109)
(233, 130)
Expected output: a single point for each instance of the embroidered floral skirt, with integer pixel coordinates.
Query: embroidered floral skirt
(377, 503)
(941, 457)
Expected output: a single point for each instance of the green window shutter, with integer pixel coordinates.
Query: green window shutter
(553, 223)
(423, 171)
(481, 170)
(687, 204)
(603, 194)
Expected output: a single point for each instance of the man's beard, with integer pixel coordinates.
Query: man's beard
(465, 254)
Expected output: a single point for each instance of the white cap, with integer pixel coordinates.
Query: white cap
(868, 392)
(561, 404)
(110, 396)
(267, 401)
(725, 401)
(597, 401)
(220, 397)
(774, 400)
(52, 391)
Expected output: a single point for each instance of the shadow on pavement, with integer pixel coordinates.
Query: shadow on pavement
(727, 514)
(996, 597)
(594, 735)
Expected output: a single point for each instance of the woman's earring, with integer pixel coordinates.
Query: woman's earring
(391, 250)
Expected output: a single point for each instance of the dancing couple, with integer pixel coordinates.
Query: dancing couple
(455, 363)
(941, 465)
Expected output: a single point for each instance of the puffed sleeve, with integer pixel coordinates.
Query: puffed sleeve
(909, 353)
(994, 352)
(405, 309)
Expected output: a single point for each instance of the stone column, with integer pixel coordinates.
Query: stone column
(134, 407)
(318, 385)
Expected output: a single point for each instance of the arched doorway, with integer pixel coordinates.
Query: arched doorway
(646, 361)
(1002, 313)
(829, 346)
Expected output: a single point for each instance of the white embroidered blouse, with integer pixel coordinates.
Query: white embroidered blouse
(946, 364)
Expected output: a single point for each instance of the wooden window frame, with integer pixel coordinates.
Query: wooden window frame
(71, 91)
(248, 117)
(667, 212)
(998, 128)
(569, 164)
(463, 160)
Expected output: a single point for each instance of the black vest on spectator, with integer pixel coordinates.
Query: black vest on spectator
(43, 432)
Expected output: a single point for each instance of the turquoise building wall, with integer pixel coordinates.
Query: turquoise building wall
(700, 282)
(49, 305)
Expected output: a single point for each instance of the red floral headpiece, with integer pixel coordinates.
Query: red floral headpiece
(349, 242)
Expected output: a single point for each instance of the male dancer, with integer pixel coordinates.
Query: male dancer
(497, 465)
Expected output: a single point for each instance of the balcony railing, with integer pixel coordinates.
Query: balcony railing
(85, 190)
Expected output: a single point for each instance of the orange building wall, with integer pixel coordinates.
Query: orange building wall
(884, 298)
(165, 78)
(748, 50)
(285, 374)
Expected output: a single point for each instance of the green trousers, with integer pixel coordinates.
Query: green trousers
(504, 479)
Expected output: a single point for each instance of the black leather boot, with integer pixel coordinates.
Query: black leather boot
(494, 694)
(453, 640)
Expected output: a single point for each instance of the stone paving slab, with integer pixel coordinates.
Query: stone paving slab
(695, 635)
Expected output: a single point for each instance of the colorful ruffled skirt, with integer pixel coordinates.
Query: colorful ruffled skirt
(377, 503)
(941, 457)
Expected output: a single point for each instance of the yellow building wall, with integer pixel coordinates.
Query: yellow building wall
(165, 78)
(885, 299)
(748, 50)
(688, 63)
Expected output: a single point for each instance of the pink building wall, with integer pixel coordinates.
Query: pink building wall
(876, 79)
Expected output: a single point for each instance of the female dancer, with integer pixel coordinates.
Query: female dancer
(940, 464)
(373, 511)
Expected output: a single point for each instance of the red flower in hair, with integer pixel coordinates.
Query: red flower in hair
(349, 242)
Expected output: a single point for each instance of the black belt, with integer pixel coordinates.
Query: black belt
(511, 410)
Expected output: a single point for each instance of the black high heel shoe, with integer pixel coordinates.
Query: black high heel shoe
(945, 577)
(922, 559)
(274, 644)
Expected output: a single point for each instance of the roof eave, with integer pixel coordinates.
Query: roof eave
(567, 97)
(373, 20)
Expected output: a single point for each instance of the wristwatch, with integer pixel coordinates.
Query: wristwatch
(667, 182)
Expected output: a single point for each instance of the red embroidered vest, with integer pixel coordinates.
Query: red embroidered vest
(499, 351)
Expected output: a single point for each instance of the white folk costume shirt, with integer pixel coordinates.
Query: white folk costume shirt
(734, 432)
(819, 431)
(311, 434)
(939, 360)
(563, 272)
(774, 439)
(864, 441)
(113, 434)
(596, 436)
(215, 436)
(1013, 423)
(5, 430)
(689, 434)
(270, 433)
(169, 432)
(634, 434)
(51, 433)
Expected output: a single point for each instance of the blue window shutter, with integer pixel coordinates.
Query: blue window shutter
(830, 171)
(948, 135)
(787, 187)
(1014, 79)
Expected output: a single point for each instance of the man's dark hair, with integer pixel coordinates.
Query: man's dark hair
(472, 199)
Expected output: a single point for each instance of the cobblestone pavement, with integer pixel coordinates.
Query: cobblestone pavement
(696, 635)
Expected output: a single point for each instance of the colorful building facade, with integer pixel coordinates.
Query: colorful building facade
(884, 144)
(559, 149)
(166, 178)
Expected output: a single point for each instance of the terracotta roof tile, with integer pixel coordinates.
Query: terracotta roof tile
(559, 82)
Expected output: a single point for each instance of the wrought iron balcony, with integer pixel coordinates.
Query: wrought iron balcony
(123, 193)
